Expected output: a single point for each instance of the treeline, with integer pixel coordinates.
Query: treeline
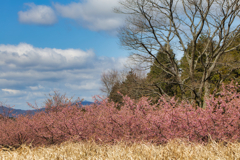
(206, 32)
(156, 83)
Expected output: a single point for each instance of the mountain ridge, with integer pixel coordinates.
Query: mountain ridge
(11, 112)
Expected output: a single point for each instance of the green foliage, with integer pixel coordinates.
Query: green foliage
(185, 68)
(160, 81)
(130, 87)
(228, 66)
(226, 70)
(114, 95)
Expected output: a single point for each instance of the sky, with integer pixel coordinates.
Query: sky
(57, 45)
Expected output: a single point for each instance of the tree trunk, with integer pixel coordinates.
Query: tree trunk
(206, 92)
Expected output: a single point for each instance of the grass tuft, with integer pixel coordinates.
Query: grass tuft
(175, 149)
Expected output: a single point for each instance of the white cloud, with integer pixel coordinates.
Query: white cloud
(25, 55)
(36, 87)
(12, 91)
(93, 14)
(37, 14)
(28, 73)
(84, 86)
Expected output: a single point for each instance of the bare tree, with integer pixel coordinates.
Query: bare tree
(112, 77)
(154, 25)
(109, 79)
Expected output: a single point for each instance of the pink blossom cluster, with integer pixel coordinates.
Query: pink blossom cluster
(133, 121)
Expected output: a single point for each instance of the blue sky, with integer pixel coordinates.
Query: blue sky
(56, 45)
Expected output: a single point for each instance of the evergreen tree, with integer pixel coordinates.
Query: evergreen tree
(227, 67)
(162, 83)
(201, 43)
(114, 95)
(130, 87)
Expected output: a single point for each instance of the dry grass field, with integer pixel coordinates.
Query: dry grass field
(176, 149)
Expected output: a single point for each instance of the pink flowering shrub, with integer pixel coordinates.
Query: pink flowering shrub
(138, 121)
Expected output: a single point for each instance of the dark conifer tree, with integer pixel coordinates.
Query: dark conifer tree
(161, 82)
(227, 68)
(114, 95)
(130, 87)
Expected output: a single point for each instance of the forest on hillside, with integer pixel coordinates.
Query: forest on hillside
(154, 82)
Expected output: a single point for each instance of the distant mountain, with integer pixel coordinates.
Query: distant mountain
(84, 103)
(15, 112)
(11, 112)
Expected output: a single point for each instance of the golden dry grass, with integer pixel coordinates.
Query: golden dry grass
(176, 149)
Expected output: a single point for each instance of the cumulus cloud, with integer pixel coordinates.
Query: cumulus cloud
(28, 73)
(27, 56)
(93, 14)
(37, 14)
